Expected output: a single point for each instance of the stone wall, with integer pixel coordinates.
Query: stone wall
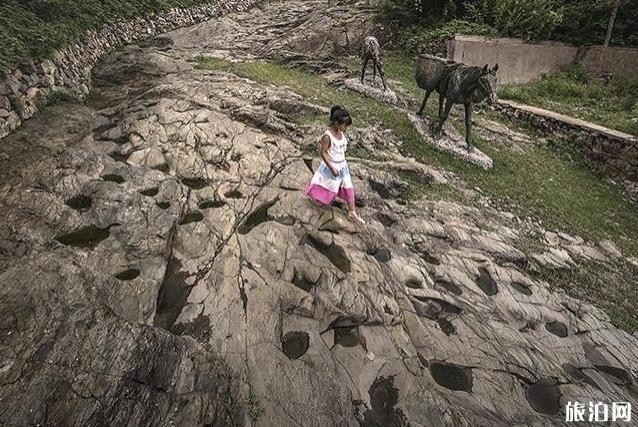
(616, 151)
(24, 89)
(521, 62)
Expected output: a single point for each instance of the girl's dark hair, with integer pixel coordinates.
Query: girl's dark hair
(339, 116)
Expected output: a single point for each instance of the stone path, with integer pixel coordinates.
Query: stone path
(159, 266)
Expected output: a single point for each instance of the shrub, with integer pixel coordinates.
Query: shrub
(433, 40)
(527, 19)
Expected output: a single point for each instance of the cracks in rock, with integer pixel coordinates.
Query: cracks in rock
(173, 288)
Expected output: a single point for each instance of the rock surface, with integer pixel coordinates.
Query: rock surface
(160, 266)
(453, 142)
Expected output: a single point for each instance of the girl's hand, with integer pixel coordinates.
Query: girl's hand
(334, 171)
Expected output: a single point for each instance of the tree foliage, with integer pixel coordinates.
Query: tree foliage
(576, 21)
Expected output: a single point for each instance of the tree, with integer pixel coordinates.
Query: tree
(612, 20)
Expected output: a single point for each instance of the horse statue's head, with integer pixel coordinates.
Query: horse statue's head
(487, 85)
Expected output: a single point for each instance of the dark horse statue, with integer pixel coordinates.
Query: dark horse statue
(455, 83)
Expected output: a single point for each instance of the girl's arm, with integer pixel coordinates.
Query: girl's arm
(325, 144)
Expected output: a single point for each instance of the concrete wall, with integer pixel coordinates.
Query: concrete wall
(616, 60)
(518, 62)
(521, 62)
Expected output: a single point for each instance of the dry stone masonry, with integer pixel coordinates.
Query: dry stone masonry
(616, 151)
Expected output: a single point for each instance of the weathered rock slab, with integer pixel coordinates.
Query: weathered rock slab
(450, 142)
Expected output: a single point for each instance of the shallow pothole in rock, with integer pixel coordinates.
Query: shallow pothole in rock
(85, 237)
(80, 202)
(486, 282)
(335, 253)
(385, 219)
(544, 396)
(195, 183)
(301, 281)
(446, 326)
(576, 374)
(620, 375)
(359, 203)
(162, 167)
(119, 157)
(383, 400)
(348, 336)
(285, 220)
(557, 328)
(163, 205)
(382, 255)
(233, 194)
(258, 216)
(118, 179)
(151, 192)
(434, 308)
(414, 283)
(295, 344)
(391, 190)
(195, 216)
(523, 289)
(129, 274)
(211, 204)
(449, 286)
(429, 258)
(453, 377)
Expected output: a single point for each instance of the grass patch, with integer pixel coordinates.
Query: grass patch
(422, 187)
(576, 93)
(35, 29)
(254, 408)
(609, 286)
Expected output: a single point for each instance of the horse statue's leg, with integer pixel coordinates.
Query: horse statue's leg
(363, 68)
(443, 118)
(382, 75)
(425, 100)
(468, 126)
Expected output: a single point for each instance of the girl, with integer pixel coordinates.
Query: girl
(332, 178)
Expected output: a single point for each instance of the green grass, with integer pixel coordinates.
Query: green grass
(254, 408)
(612, 104)
(610, 286)
(35, 29)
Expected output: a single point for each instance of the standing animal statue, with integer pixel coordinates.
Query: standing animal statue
(372, 51)
(456, 83)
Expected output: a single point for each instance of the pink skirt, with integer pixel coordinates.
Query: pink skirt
(324, 186)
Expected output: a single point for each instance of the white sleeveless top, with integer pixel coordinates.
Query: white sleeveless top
(337, 150)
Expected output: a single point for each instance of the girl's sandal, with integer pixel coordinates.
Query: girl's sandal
(353, 216)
